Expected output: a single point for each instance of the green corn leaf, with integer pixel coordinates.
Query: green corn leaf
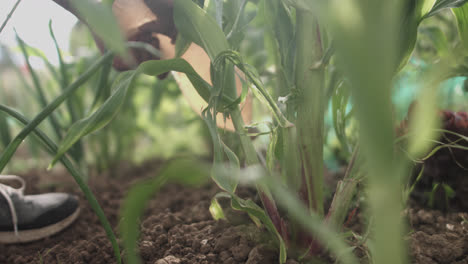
(13, 146)
(39, 89)
(102, 21)
(257, 213)
(218, 174)
(155, 68)
(139, 195)
(311, 222)
(5, 135)
(280, 22)
(423, 7)
(98, 119)
(188, 171)
(339, 107)
(132, 209)
(181, 46)
(197, 26)
(216, 210)
(112, 105)
(252, 76)
(442, 4)
(461, 14)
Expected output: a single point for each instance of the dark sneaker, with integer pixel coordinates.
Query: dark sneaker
(25, 218)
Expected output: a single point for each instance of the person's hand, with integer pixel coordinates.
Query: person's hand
(152, 22)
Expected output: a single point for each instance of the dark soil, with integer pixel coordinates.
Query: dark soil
(178, 228)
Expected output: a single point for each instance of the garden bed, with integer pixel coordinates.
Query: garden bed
(178, 228)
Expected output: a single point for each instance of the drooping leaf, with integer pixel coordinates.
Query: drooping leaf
(155, 68)
(99, 118)
(103, 23)
(229, 184)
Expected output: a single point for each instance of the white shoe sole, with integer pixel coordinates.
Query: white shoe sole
(25, 236)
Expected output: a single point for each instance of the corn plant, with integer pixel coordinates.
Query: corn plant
(319, 51)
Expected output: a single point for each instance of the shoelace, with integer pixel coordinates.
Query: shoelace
(6, 192)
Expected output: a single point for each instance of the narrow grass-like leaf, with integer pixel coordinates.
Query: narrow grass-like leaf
(51, 147)
(98, 119)
(11, 148)
(64, 75)
(136, 201)
(5, 136)
(9, 15)
(40, 91)
(64, 80)
(102, 21)
(197, 26)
